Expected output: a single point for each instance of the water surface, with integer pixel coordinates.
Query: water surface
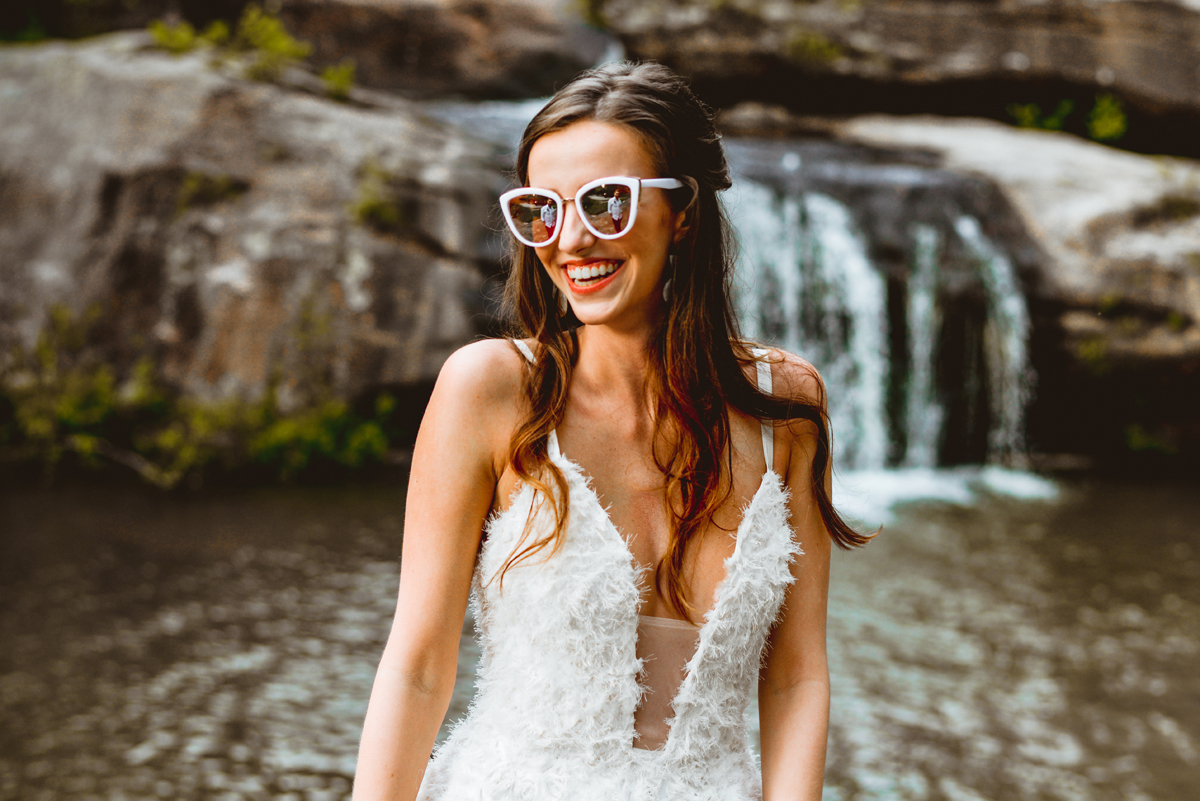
(223, 645)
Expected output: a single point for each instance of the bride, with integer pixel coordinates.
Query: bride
(634, 501)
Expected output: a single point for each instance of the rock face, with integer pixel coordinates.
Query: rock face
(235, 231)
(1117, 285)
(960, 57)
(436, 48)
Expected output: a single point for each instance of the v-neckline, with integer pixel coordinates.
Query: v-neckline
(729, 564)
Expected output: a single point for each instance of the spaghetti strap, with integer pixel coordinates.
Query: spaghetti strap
(552, 442)
(764, 385)
(521, 346)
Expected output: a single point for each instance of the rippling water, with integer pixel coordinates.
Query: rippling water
(985, 647)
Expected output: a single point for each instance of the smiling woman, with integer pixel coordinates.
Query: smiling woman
(631, 596)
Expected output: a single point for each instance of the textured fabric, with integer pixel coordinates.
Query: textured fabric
(557, 683)
(664, 647)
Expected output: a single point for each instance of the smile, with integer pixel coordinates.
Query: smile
(584, 278)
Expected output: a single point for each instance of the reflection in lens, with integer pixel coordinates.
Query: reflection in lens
(607, 208)
(534, 216)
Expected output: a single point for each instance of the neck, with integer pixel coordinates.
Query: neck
(613, 359)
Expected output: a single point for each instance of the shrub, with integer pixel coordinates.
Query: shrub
(339, 80)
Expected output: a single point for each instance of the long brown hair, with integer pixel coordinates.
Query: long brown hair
(696, 355)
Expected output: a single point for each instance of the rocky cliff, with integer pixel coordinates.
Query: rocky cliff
(950, 57)
(234, 230)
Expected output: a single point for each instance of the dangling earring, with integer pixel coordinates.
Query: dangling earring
(562, 304)
(667, 283)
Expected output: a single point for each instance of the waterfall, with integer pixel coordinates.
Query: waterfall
(812, 290)
(1005, 337)
(807, 282)
(923, 411)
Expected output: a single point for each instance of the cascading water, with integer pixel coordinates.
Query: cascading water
(810, 287)
(808, 282)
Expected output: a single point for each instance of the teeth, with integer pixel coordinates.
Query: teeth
(591, 271)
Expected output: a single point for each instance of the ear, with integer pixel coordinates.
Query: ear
(685, 216)
(682, 227)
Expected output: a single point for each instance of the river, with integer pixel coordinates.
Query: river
(1004, 638)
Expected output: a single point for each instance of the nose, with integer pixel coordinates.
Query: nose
(575, 236)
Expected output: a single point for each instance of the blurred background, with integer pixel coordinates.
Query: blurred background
(238, 241)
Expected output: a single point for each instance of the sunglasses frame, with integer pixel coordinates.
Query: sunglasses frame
(634, 185)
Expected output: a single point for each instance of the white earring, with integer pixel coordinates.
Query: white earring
(667, 283)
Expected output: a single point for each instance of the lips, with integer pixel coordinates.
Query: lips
(591, 276)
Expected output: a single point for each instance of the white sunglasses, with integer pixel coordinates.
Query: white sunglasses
(607, 207)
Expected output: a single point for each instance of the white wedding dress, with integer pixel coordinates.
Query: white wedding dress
(558, 677)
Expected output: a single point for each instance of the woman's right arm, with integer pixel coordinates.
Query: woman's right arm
(459, 454)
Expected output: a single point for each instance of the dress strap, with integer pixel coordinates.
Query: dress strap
(764, 385)
(521, 346)
(552, 442)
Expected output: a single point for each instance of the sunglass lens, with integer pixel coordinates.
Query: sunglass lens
(607, 208)
(534, 217)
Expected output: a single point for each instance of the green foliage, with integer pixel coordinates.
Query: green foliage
(813, 48)
(592, 12)
(1140, 440)
(375, 206)
(182, 38)
(178, 38)
(1094, 355)
(1107, 121)
(1029, 115)
(1176, 322)
(339, 80)
(60, 398)
(260, 38)
(272, 49)
(33, 31)
(202, 189)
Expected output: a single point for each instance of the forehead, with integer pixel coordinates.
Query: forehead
(584, 151)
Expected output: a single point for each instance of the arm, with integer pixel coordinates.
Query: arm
(458, 457)
(793, 690)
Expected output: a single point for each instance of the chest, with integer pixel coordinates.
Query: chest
(617, 458)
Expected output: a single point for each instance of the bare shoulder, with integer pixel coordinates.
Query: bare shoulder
(485, 371)
(478, 396)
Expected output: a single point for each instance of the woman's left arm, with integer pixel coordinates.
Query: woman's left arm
(793, 688)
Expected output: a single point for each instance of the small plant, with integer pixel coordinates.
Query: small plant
(200, 189)
(178, 39)
(339, 80)
(260, 37)
(813, 48)
(181, 37)
(1107, 121)
(1029, 115)
(374, 205)
(1094, 354)
(33, 31)
(1140, 440)
(272, 49)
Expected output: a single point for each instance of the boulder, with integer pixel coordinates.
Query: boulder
(439, 48)
(238, 233)
(949, 57)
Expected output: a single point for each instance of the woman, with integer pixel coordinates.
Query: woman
(613, 491)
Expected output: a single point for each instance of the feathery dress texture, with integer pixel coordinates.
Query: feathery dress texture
(557, 683)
